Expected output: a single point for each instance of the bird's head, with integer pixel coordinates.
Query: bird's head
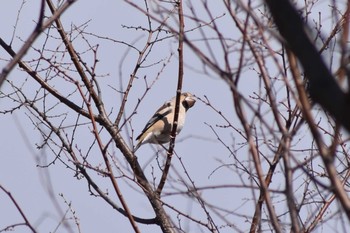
(187, 100)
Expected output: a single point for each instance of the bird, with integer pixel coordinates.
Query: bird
(158, 128)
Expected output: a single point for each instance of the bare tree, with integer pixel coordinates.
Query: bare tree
(284, 154)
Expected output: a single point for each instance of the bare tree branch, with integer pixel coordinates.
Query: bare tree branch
(178, 94)
(26, 222)
(41, 26)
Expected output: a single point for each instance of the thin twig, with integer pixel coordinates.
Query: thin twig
(27, 223)
(37, 31)
(178, 95)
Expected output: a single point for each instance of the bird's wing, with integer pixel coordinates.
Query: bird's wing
(160, 114)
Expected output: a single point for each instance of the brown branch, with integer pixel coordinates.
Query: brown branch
(177, 104)
(323, 88)
(255, 155)
(324, 208)
(108, 199)
(140, 60)
(27, 223)
(68, 147)
(162, 218)
(289, 191)
(345, 56)
(37, 31)
(264, 183)
(325, 153)
(108, 164)
(75, 59)
(46, 86)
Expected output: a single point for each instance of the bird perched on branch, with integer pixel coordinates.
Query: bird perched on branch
(158, 128)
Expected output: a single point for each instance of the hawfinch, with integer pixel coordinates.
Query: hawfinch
(158, 128)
